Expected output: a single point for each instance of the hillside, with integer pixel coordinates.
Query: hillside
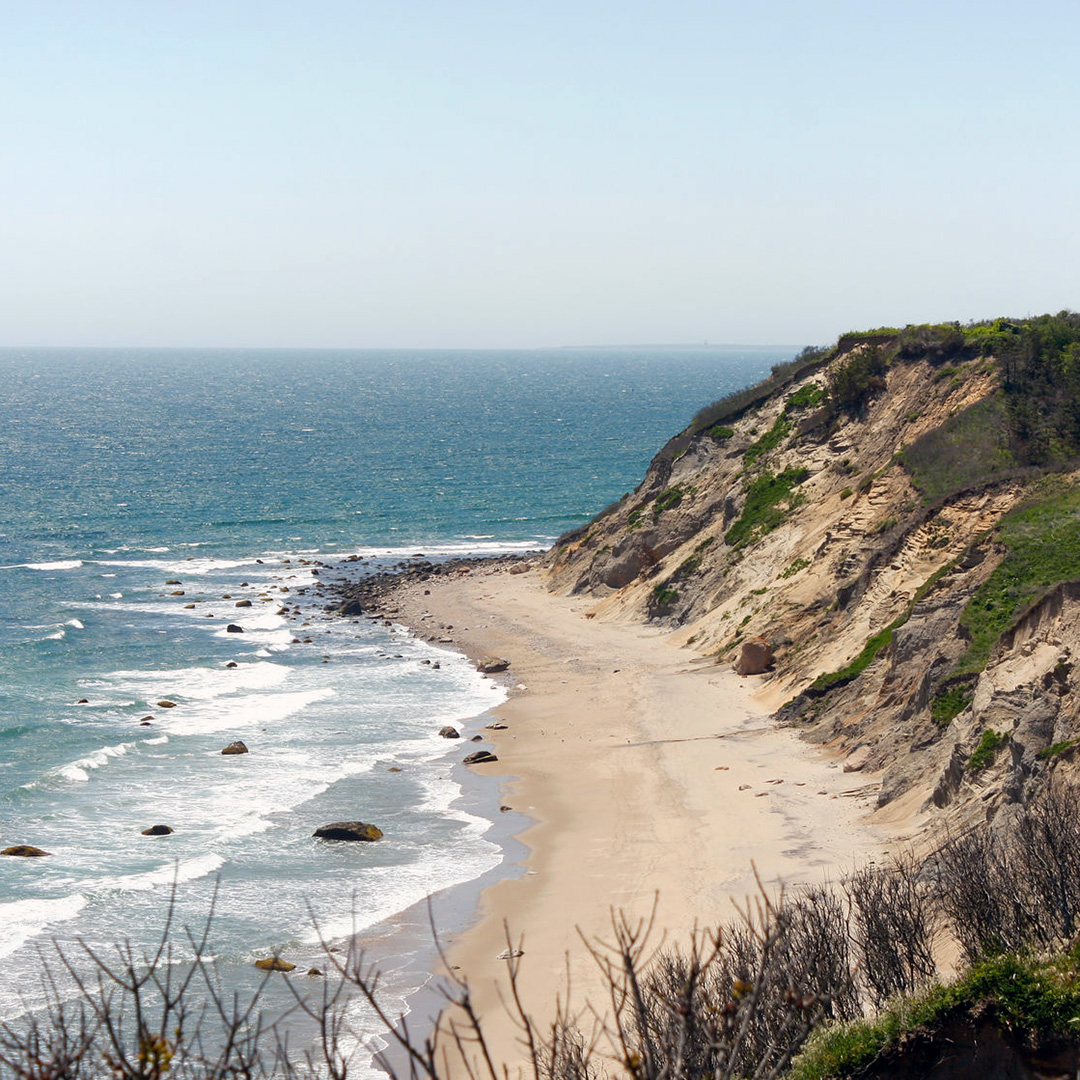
(899, 517)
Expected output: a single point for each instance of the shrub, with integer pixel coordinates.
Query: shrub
(852, 381)
(983, 754)
(769, 500)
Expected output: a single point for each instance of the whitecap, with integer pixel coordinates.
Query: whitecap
(189, 870)
(75, 623)
(20, 920)
(62, 564)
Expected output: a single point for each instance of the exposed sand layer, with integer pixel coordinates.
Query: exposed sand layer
(646, 772)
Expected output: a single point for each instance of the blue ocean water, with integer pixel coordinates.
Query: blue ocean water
(144, 494)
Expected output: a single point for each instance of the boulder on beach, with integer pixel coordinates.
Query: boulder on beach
(242, 603)
(491, 664)
(481, 757)
(520, 568)
(348, 830)
(232, 664)
(27, 851)
(274, 963)
(755, 657)
(235, 748)
(351, 607)
(234, 628)
(449, 732)
(157, 830)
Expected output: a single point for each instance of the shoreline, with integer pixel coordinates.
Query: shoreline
(646, 776)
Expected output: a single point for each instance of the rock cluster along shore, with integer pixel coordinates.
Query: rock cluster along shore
(373, 596)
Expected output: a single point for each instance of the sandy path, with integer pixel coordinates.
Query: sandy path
(645, 772)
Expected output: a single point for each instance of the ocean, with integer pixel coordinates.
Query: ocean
(147, 493)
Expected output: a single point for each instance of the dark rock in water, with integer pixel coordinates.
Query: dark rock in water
(82, 701)
(174, 581)
(177, 592)
(146, 720)
(449, 732)
(157, 830)
(490, 664)
(477, 738)
(481, 757)
(26, 850)
(235, 748)
(314, 971)
(351, 607)
(348, 830)
(242, 603)
(232, 663)
(274, 963)
(436, 665)
(232, 628)
(504, 809)
(145, 723)
(166, 704)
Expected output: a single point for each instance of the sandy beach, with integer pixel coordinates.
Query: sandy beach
(649, 775)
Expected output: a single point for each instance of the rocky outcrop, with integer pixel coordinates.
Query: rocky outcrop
(26, 851)
(348, 830)
(480, 757)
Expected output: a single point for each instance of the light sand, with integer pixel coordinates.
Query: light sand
(647, 771)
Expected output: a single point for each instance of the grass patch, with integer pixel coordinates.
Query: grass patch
(667, 499)
(807, 397)
(951, 703)
(846, 493)
(1037, 996)
(1043, 541)
(833, 679)
(634, 519)
(793, 568)
(769, 500)
(983, 754)
(769, 441)
(969, 447)
(720, 433)
(663, 596)
(1058, 748)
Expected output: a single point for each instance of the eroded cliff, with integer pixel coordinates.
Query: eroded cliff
(899, 518)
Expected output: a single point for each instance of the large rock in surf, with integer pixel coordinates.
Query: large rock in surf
(755, 657)
(348, 830)
(166, 704)
(157, 830)
(25, 850)
(490, 664)
(233, 628)
(351, 607)
(235, 748)
(481, 757)
(242, 603)
(274, 963)
(449, 732)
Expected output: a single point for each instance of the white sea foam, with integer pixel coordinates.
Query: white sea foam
(78, 771)
(62, 564)
(187, 870)
(21, 920)
(75, 623)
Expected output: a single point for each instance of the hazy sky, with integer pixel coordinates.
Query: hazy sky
(396, 173)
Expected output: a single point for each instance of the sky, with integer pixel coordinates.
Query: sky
(345, 173)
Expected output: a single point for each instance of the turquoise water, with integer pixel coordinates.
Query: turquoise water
(223, 471)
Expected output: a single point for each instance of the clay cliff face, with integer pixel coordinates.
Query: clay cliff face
(808, 519)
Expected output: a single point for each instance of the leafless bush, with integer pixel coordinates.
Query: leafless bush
(893, 928)
(1018, 887)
